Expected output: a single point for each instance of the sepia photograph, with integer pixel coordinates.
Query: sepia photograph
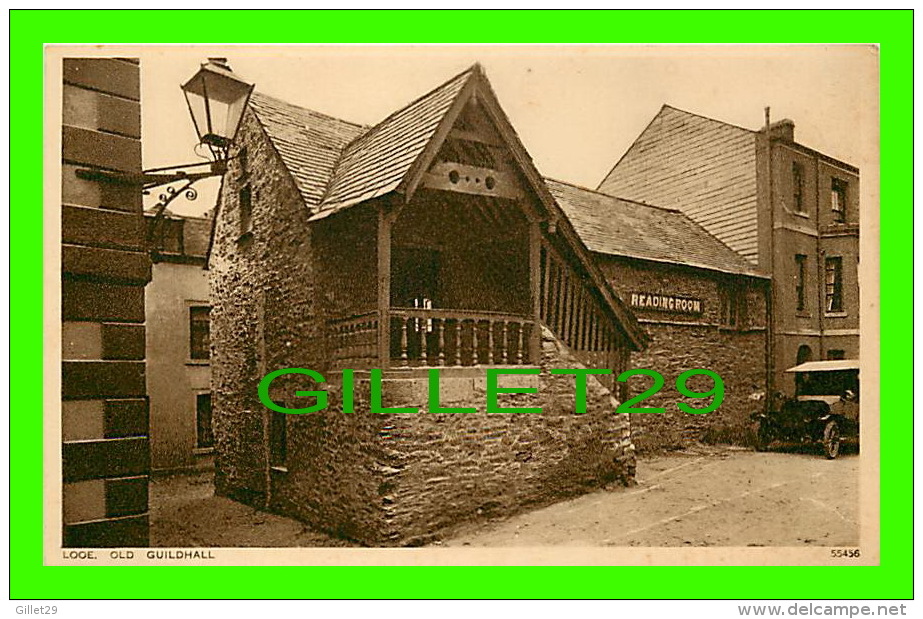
(461, 304)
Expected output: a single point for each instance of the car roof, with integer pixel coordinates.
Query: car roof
(826, 366)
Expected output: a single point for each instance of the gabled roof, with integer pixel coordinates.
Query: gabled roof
(615, 226)
(338, 172)
(309, 143)
(377, 161)
(704, 167)
(335, 163)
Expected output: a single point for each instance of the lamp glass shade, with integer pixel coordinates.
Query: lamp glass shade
(217, 99)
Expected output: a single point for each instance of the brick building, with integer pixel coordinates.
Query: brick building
(790, 210)
(428, 240)
(178, 351)
(703, 305)
(105, 266)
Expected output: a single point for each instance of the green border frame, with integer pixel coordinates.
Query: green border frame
(892, 30)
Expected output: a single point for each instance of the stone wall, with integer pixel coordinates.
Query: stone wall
(738, 357)
(681, 342)
(264, 301)
(405, 479)
(381, 479)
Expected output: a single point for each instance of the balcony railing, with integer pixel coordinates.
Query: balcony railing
(438, 337)
(433, 338)
(355, 341)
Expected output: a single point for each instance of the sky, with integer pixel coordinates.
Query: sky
(576, 109)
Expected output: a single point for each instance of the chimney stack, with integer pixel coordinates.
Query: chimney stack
(783, 130)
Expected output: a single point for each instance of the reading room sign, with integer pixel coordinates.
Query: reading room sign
(666, 303)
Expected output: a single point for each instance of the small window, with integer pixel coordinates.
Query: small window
(798, 186)
(246, 209)
(734, 306)
(834, 284)
(278, 439)
(800, 266)
(205, 438)
(199, 332)
(836, 355)
(166, 235)
(243, 162)
(838, 190)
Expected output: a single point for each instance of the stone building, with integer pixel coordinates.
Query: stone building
(427, 240)
(703, 305)
(104, 268)
(790, 210)
(178, 351)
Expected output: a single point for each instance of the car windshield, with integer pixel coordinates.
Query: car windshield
(828, 383)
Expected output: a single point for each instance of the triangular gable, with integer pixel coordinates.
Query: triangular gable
(666, 120)
(479, 88)
(395, 155)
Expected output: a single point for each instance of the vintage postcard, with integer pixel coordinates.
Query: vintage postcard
(474, 305)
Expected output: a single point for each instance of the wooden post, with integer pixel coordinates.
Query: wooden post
(535, 274)
(384, 285)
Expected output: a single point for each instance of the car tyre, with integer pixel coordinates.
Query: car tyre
(832, 439)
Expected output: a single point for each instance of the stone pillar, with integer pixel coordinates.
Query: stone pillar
(105, 266)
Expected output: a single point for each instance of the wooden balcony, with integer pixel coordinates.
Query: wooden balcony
(434, 338)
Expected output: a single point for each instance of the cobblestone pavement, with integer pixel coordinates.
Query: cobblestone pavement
(185, 512)
(701, 497)
(709, 497)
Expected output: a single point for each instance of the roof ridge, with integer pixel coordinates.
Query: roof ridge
(384, 120)
(365, 135)
(310, 111)
(609, 195)
(703, 116)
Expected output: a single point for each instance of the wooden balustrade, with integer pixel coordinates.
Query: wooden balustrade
(421, 337)
(355, 341)
(433, 338)
(575, 314)
(438, 337)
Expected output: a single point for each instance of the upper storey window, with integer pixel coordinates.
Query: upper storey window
(838, 190)
(798, 186)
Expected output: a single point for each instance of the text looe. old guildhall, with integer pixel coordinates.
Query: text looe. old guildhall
(431, 240)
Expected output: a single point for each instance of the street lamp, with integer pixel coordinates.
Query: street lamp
(217, 99)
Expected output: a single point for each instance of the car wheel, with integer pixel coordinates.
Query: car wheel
(832, 439)
(763, 437)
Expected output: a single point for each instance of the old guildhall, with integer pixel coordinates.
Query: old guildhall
(429, 239)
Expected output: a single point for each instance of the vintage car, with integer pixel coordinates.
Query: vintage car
(825, 407)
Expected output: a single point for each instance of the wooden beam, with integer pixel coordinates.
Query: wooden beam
(535, 274)
(474, 136)
(384, 285)
(461, 178)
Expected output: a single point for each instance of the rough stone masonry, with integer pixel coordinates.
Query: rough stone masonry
(402, 479)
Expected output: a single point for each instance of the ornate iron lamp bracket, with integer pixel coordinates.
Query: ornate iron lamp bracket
(179, 182)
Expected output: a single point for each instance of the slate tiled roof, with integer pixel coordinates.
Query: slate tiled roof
(309, 143)
(620, 227)
(705, 167)
(376, 162)
(337, 163)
